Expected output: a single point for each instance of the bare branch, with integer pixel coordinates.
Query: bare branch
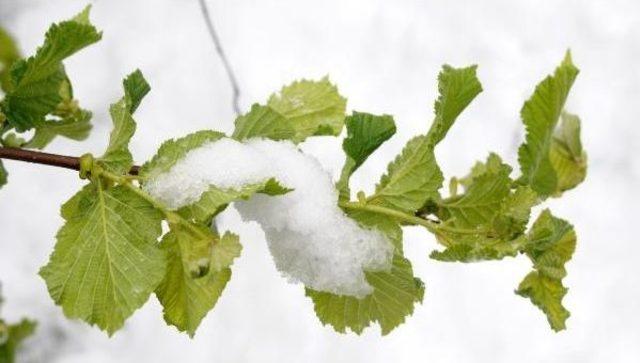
(38, 157)
(220, 51)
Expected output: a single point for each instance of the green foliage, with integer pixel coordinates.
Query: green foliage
(483, 197)
(112, 251)
(117, 157)
(566, 154)
(412, 179)
(38, 92)
(105, 263)
(76, 126)
(540, 115)
(11, 338)
(35, 83)
(457, 87)
(487, 221)
(311, 107)
(3, 175)
(301, 109)
(263, 121)
(395, 292)
(551, 243)
(9, 53)
(187, 300)
(365, 133)
(175, 149)
(215, 200)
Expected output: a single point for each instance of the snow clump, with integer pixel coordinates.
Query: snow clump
(311, 239)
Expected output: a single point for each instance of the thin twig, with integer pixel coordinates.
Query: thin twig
(225, 62)
(38, 157)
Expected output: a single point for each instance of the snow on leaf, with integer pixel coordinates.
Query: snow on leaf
(215, 199)
(540, 115)
(394, 295)
(34, 87)
(171, 151)
(105, 263)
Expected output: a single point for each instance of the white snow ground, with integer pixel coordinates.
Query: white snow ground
(385, 57)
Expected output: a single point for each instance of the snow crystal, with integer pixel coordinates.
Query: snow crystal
(311, 239)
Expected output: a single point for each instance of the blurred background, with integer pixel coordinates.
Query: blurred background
(385, 57)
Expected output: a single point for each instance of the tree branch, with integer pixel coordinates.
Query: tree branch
(38, 157)
(235, 89)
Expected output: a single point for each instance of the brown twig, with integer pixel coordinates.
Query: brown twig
(38, 157)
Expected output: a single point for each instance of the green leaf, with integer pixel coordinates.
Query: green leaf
(215, 200)
(118, 158)
(135, 88)
(547, 294)
(106, 261)
(475, 247)
(412, 179)
(226, 250)
(365, 133)
(3, 175)
(457, 87)
(540, 115)
(263, 121)
(187, 300)
(566, 154)
(175, 149)
(551, 243)
(9, 53)
(393, 298)
(15, 335)
(513, 216)
(496, 216)
(311, 107)
(197, 254)
(36, 82)
(482, 200)
(75, 127)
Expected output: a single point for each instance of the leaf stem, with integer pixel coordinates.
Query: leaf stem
(431, 226)
(172, 217)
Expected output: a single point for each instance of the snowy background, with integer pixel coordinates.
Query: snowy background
(385, 57)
